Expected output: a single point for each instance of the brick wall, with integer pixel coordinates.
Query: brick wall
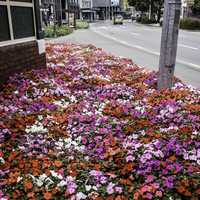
(18, 57)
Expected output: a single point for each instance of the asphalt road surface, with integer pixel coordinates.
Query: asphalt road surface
(141, 43)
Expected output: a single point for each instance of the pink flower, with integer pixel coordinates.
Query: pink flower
(149, 179)
(158, 193)
(144, 189)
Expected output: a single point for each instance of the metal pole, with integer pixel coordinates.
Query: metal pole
(168, 50)
(68, 12)
(54, 18)
(61, 12)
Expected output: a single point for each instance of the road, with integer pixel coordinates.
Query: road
(141, 43)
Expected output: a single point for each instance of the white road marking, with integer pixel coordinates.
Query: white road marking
(148, 29)
(187, 46)
(191, 65)
(135, 34)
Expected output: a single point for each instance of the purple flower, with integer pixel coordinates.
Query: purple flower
(118, 189)
(110, 189)
(103, 179)
(169, 182)
(96, 173)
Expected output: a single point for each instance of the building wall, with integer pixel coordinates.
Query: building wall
(22, 46)
(19, 57)
(101, 3)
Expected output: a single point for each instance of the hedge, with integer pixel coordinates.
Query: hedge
(190, 24)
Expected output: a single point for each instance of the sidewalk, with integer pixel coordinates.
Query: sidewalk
(93, 126)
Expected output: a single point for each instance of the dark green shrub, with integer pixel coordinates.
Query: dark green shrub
(145, 20)
(190, 24)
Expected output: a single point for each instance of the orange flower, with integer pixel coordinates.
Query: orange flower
(181, 189)
(198, 191)
(58, 163)
(187, 193)
(47, 195)
(125, 182)
(35, 163)
(172, 158)
(16, 194)
(28, 185)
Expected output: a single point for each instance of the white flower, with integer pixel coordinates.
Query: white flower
(94, 188)
(40, 117)
(88, 187)
(49, 182)
(56, 175)
(42, 177)
(62, 183)
(38, 182)
(16, 92)
(59, 144)
(36, 128)
(192, 157)
(2, 160)
(86, 158)
(19, 178)
(80, 196)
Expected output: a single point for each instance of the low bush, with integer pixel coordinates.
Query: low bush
(145, 20)
(190, 24)
(80, 24)
(60, 31)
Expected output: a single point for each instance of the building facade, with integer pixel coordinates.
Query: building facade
(187, 8)
(21, 37)
(106, 8)
(87, 11)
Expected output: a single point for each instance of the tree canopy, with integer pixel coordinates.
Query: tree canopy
(196, 7)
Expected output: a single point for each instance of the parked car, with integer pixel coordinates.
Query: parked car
(118, 19)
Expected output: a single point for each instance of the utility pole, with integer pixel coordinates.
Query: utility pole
(168, 50)
(54, 18)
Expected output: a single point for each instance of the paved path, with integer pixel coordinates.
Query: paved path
(142, 44)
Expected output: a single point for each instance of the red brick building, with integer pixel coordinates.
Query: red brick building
(21, 37)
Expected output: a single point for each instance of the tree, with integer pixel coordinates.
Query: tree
(140, 5)
(196, 7)
(143, 6)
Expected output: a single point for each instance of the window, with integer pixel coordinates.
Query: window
(17, 20)
(22, 17)
(4, 24)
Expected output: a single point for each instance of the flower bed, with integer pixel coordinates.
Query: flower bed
(93, 126)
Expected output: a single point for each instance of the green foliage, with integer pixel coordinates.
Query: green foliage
(144, 5)
(60, 31)
(80, 24)
(140, 5)
(196, 7)
(145, 20)
(190, 24)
